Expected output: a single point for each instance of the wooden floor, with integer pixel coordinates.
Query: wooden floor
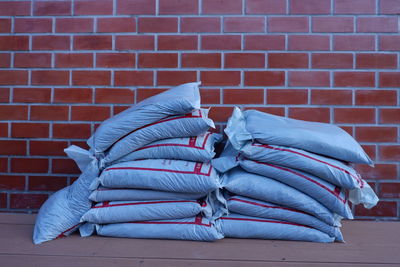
(367, 244)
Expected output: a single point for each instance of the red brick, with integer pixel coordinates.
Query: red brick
(47, 148)
(389, 7)
(210, 96)
(354, 42)
(141, 42)
(124, 78)
(244, 24)
(3, 164)
(379, 172)
(332, 24)
(29, 165)
(356, 79)
(115, 60)
(89, 113)
(309, 78)
(287, 60)
(287, 96)
(389, 79)
(244, 60)
(332, 61)
(390, 153)
(355, 7)
(158, 60)
(279, 111)
(201, 60)
(50, 77)
(74, 60)
(90, 7)
(32, 60)
(92, 42)
(390, 190)
(158, 24)
(116, 25)
(27, 201)
(310, 114)
(220, 78)
(310, 7)
(4, 95)
(354, 115)
(34, 25)
(89, 77)
(3, 200)
(376, 97)
(13, 77)
(142, 94)
(46, 183)
(243, 96)
(178, 7)
(309, 42)
(264, 78)
(73, 95)
(12, 147)
(15, 8)
(377, 24)
(71, 130)
(383, 208)
(30, 130)
(5, 25)
(71, 25)
(220, 114)
(175, 77)
(51, 42)
(222, 7)
(48, 113)
(265, 7)
(288, 24)
(389, 115)
(389, 42)
(51, 8)
(201, 24)
(331, 97)
(12, 182)
(264, 42)
(376, 134)
(14, 112)
(67, 166)
(32, 95)
(5, 60)
(221, 42)
(177, 42)
(114, 96)
(370, 150)
(136, 7)
(14, 43)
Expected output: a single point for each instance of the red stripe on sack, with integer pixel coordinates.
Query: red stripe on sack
(305, 177)
(160, 170)
(192, 141)
(196, 222)
(107, 205)
(260, 220)
(189, 115)
(265, 206)
(358, 179)
(69, 229)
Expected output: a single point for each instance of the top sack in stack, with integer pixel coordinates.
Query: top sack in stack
(178, 109)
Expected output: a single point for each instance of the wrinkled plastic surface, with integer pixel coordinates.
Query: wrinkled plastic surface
(192, 124)
(126, 211)
(256, 208)
(160, 174)
(266, 189)
(329, 169)
(195, 228)
(178, 100)
(321, 138)
(331, 196)
(198, 148)
(241, 226)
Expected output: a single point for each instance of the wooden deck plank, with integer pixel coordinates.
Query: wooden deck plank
(367, 243)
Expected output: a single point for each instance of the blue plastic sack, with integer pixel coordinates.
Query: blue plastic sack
(241, 226)
(256, 208)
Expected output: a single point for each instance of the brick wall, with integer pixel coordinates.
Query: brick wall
(65, 66)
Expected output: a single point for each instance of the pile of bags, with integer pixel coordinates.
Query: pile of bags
(150, 173)
(289, 179)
